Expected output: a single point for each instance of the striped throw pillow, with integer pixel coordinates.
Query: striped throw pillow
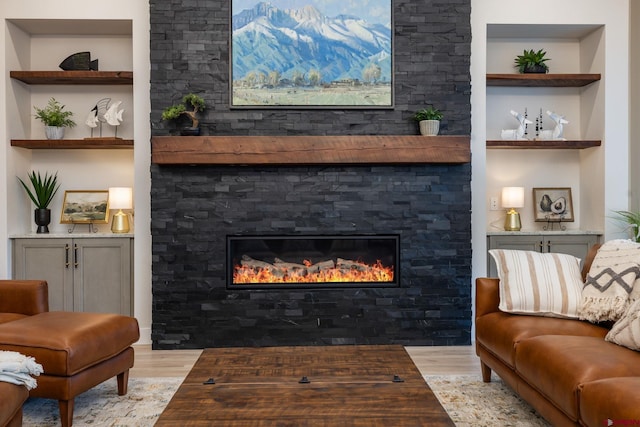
(548, 284)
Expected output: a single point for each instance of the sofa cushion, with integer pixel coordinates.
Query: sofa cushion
(548, 284)
(611, 399)
(66, 343)
(500, 333)
(556, 366)
(610, 281)
(10, 317)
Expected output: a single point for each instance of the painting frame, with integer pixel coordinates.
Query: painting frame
(548, 206)
(85, 207)
(303, 82)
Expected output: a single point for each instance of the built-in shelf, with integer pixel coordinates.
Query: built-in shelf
(542, 80)
(71, 144)
(74, 77)
(310, 150)
(538, 144)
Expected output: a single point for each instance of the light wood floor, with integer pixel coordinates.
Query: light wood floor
(458, 360)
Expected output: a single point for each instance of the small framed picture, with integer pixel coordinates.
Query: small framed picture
(85, 206)
(553, 205)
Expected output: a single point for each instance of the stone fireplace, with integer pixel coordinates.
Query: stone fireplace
(311, 172)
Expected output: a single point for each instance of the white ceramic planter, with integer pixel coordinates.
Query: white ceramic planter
(54, 132)
(429, 127)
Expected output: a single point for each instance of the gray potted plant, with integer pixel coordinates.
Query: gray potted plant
(429, 120)
(196, 104)
(44, 188)
(532, 61)
(55, 119)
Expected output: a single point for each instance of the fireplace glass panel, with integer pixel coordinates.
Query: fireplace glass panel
(312, 261)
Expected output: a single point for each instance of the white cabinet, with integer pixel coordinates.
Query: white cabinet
(91, 274)
(573, 244)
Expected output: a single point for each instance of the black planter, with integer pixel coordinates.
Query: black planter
(535, 69)
(190, 131)
(42, 218)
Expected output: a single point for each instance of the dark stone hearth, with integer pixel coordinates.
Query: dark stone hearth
(194, 208)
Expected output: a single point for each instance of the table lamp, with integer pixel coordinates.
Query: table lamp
(120, 198)
(512, 197)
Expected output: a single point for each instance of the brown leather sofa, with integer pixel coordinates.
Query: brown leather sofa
(76, 350)
(564, 368)
(11, 400)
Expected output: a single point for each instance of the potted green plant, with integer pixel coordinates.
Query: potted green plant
(429, 120)
(195, 104)
(55, 119)
(532, 61)
(44, 188)
(632, 219)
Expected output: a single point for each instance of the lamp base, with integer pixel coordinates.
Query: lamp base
(120, 223)
(512, 222)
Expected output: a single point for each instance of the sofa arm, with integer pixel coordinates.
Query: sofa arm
(487, 295)
(26, 297)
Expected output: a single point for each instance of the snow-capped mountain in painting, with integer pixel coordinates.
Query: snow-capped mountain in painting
(289, 43)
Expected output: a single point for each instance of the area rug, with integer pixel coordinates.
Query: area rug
(468, 400)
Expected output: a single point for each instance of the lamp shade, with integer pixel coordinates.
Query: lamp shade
(513, 197)
(120, 198)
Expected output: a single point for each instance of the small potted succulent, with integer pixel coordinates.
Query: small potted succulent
(44, 188)
(532, 62)
(428, 120)
(195, 103)
(55, 119)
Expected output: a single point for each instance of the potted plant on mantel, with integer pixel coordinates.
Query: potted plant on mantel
(196, 103)
(55, 119)
(532, 62)
(429, 121)
(44, 188)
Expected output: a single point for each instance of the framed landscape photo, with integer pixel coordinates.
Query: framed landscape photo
(85, 206)
(553, 205)
(311, 54)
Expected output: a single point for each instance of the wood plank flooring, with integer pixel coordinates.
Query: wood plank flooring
(305, 386)
(430, 360)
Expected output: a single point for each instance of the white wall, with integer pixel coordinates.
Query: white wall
(602, 172)
(85, 169)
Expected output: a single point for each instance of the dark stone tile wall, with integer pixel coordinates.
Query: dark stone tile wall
(194, 208)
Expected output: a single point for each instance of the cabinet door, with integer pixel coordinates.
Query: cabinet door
(524, 243)
(102, 279)
(50, 260)
(576, 245)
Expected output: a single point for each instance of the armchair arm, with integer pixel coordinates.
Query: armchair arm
(487, 295)
(26, 297)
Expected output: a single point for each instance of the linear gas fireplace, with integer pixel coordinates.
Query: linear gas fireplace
(312, 261)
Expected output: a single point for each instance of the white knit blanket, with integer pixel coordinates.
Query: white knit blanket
(18, 369)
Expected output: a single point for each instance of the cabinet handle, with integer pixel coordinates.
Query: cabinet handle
(541, 246)
(75, 255)
(549, 246)
(66, 256)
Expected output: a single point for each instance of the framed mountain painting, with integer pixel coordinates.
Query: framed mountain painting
(311, 54)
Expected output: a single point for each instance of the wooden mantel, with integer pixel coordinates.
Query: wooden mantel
(310, 150)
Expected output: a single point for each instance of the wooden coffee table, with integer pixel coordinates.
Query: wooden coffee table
(305, 386)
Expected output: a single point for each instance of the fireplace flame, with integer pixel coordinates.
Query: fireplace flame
(343, 271)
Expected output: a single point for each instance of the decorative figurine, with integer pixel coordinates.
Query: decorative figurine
(105, 112)
(556, 133)
(80, 61)
(517, 134)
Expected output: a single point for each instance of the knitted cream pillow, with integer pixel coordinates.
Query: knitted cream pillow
(548, 284)
(626, 331)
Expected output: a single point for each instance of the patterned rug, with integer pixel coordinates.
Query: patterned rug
(468, 400)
